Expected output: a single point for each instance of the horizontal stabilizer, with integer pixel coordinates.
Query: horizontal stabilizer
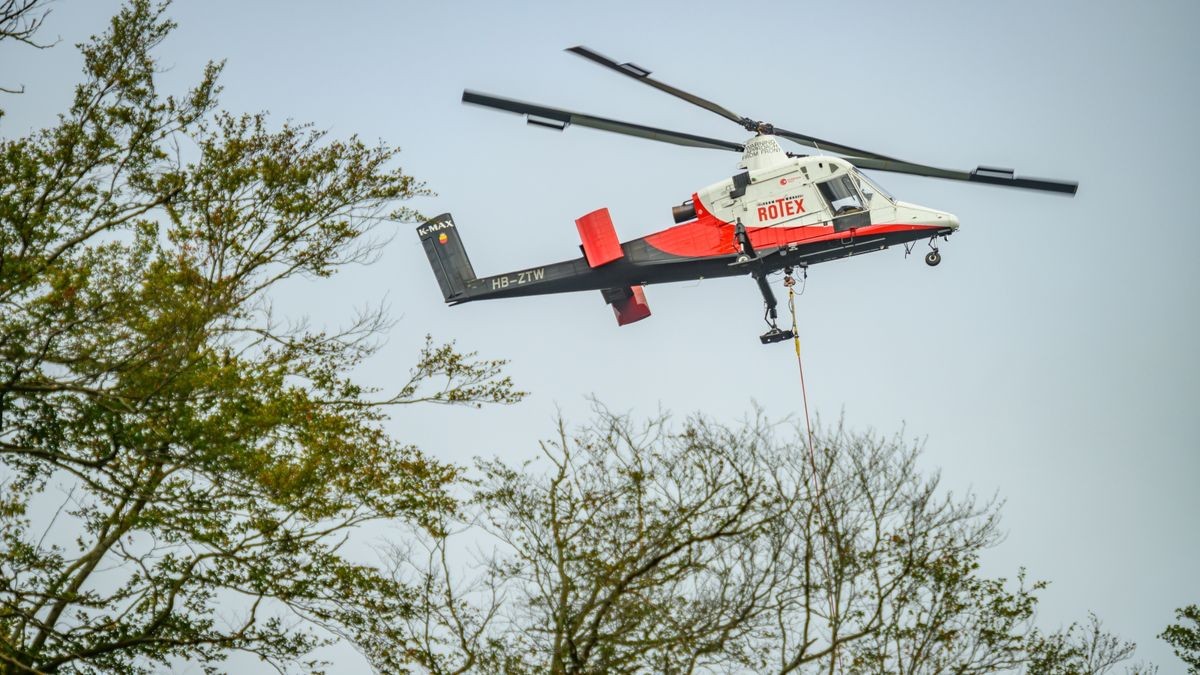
(629, 303)
(600, 243)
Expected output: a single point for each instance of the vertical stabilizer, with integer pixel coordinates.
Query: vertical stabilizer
(447, 256)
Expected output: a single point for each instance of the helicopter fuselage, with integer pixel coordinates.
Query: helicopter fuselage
(780, 212)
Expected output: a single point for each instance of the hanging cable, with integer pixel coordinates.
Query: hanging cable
(790, 282)
(821, 507)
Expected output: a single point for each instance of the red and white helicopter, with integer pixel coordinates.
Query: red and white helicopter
(780, 212)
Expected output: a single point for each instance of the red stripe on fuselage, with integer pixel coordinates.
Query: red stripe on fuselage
(709, 236)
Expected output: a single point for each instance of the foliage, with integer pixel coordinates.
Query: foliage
(1185, 639)
(707, 548)
(1081, 650)
(168, 446)
(20, 21)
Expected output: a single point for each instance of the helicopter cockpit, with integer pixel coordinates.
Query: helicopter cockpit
(851, 196)
(853, 191)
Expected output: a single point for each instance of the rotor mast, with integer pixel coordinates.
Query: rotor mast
(761, 152)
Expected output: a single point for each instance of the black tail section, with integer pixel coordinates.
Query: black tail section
(447, 256)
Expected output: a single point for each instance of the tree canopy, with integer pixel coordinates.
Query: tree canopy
(1185, 638)
(169, 446)
(699, 547)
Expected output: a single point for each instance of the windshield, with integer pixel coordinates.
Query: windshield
(870, 189)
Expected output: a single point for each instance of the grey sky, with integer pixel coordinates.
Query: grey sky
(1051, 358)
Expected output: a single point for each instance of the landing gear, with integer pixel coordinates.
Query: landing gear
(933, 257)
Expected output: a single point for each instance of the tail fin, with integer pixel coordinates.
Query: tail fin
(447, 256)
(628, 303)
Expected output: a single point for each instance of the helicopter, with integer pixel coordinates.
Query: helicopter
(782, 211)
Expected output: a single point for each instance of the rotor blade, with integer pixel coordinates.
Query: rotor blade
(982, 174)
(820, 144)
(643, 75)
(870, 160)
(558, 118)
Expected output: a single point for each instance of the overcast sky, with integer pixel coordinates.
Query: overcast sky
(1051, 358)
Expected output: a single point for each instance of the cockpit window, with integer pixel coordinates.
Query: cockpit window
(870, 188)
(841, 194)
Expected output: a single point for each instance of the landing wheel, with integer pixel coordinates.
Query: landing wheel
(933, 258)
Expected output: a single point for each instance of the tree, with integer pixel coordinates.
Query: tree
(708, 548)
(1081, 650)
(168, 446)
(1185, 639)
(20, 21)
